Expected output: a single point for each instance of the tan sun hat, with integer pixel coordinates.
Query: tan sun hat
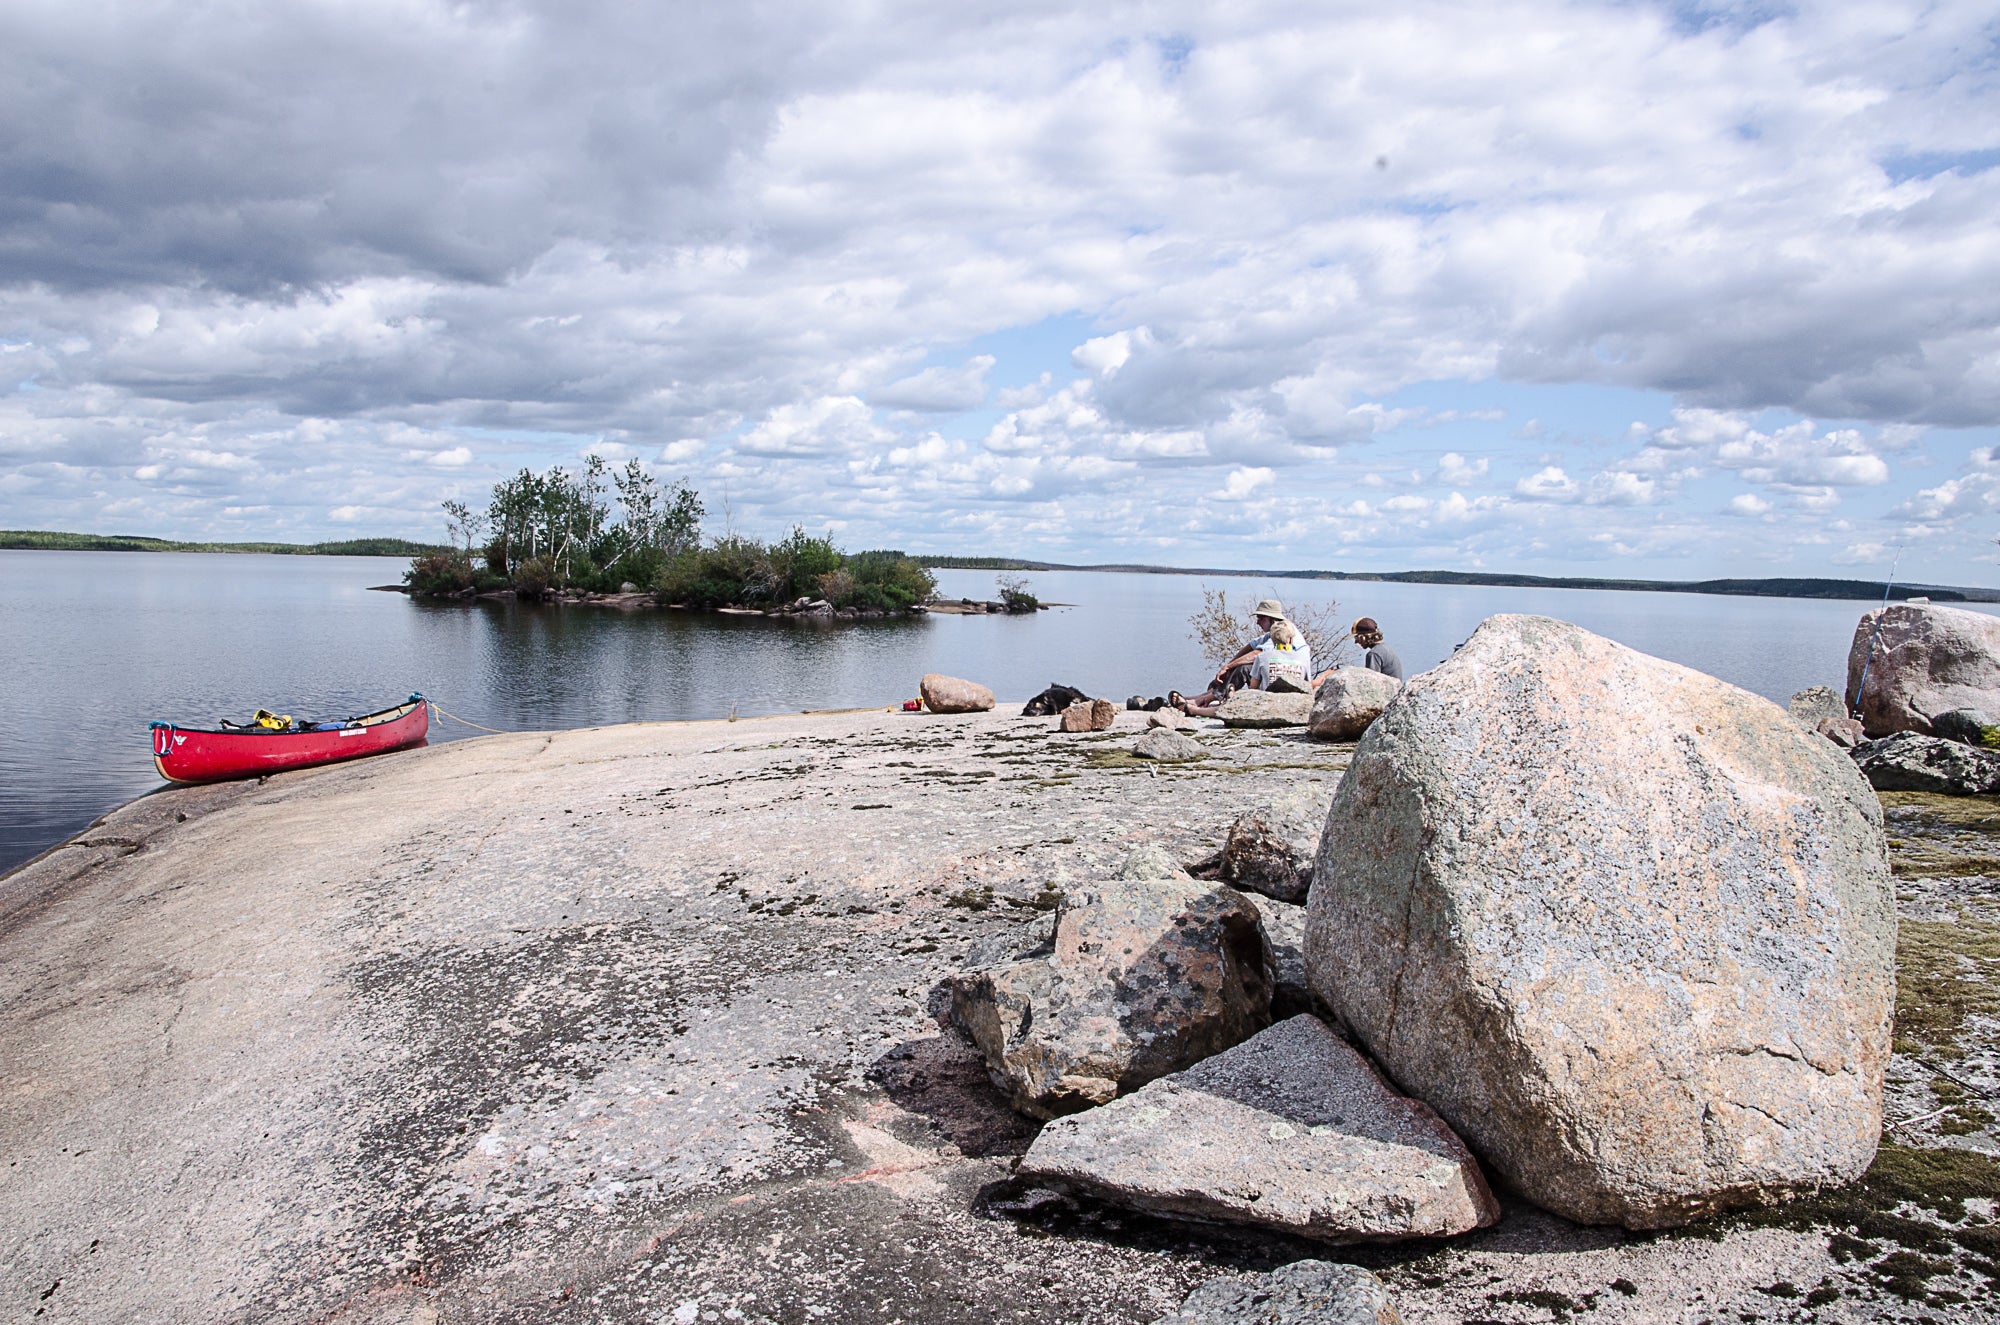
(1272, 608)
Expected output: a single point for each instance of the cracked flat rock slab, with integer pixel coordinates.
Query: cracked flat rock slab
(1291, 1130)
(1302, 1293)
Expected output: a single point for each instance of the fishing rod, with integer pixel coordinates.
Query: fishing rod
(1869, 658)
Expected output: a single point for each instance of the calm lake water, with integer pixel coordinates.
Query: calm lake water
(94, 645)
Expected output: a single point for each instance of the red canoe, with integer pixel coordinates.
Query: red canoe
(209, 756)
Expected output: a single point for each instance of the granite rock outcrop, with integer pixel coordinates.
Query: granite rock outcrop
(1627, 928)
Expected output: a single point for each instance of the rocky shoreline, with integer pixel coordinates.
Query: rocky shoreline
(642, 1023)
(633, 600)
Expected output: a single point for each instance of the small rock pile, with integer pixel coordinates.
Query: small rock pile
(1542, 903)
(1089, 715)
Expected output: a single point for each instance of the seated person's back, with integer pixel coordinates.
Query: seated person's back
(1285, 661)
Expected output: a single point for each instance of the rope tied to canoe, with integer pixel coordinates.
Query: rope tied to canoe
(442, 711)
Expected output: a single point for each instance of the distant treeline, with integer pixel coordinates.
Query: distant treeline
(1774, 587)
(44, 540)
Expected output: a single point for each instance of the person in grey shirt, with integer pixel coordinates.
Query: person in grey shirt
(1379, 656)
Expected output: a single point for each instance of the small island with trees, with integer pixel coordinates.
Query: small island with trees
(624, 536)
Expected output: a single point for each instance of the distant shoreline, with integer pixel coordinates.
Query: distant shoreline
(1771, 587)
(15, 540)
(45, 540)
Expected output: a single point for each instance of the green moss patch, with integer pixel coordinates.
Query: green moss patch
(1946, 971)
(1979, 814)
(1968, 1115)
(1905, 1223)
(1928, 862)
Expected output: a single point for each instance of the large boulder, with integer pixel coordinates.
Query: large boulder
(1270, 849)
(1926, 660)
(1146, 976)
(1909, 762)
(1627, 928)
(951, 694)
(1301, 1293)
(1291, 1131)
(1348, 700)
(1266, 708)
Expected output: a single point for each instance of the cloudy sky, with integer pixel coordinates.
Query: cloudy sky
(1620, 288)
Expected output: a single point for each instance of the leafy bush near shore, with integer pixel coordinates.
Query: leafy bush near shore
(732, 571)
(441, 574)
(532, 579)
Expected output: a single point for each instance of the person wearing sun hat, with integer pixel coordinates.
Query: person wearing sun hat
(1234, 674)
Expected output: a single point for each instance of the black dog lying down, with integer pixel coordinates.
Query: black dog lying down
(1059, 697)
(1053, 700)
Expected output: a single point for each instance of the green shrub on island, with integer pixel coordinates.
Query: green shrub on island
(544, 535)
(736, 571)
(531, 580)
(888, 581)
(443, 575)
(1015, 593)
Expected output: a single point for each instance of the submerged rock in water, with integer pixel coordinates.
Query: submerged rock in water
(1146, 976)
(1301, 1293)
(1348, 700)
(1271, 848)
(1627, 928)
(1924, 660)
(1906, 761)
(951, 694)
(1291, 1130)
